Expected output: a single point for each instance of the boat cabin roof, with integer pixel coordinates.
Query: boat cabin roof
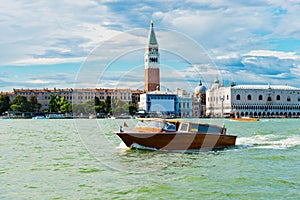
(196, 127)
(159, 125)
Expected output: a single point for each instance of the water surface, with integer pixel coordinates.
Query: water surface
(83, 159)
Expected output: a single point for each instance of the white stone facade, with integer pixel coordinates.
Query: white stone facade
(185, 103)
(253, 101)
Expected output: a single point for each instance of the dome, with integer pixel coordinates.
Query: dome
(200, 89)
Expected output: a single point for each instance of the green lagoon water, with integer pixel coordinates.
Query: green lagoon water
(83, 159)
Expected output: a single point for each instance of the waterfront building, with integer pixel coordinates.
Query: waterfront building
(252, 100)
(199, 101)
(185, 103)
(151, 60)
(9, 94)
(77, 96)
(158, 102)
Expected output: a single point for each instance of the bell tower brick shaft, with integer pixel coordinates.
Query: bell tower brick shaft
(151, 59)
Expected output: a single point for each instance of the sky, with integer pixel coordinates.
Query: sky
(90, 43)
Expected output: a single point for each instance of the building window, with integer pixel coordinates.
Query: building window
(278, 97)
(227, 97)
(249, 97)
(260, 97)
(269, 99)
(238, 97)
(288, 99)
(298, 98)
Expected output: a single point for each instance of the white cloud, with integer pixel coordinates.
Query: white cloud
(269, 53)
(46, 61)
(31, 29)
(37, 81)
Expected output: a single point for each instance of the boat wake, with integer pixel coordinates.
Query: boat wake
(269, 141)
(122, 145)
(137, 146)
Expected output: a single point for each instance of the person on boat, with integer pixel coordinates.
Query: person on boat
(169, 127)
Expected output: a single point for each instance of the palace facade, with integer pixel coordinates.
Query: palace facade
(252, 100)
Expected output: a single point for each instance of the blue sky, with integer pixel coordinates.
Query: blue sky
(52, 43)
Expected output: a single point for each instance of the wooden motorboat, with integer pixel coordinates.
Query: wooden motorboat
(246, 119)
(162, 134)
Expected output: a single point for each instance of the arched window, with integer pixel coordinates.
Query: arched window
(278, 97)
(238, 97)
(249, 97)
(288, 98)
(298, 98)
(269, 99)
(260, 97)
(228, 97)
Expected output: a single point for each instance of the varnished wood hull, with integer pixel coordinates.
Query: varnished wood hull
(177, 141)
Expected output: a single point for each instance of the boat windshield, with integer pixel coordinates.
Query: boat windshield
(150, 124)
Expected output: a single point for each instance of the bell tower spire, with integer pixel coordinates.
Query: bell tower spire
(151, 60)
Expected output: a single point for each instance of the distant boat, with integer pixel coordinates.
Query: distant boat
(246, 119)
(162, 134)
(56, 116)
(39, 117)
(5, 118)
(122, 116)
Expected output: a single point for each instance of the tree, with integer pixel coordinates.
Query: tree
(97, 101)
(4, 103)
(89, 107)
(78, 109)
(98, 106)
(108, 104)
(132, 108)
(59, 104)
(20, 103)
(53, 105)
(101, 107)
(64, 105)
(119, 107)
(34, 105)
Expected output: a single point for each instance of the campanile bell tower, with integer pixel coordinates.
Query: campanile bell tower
(151, 59)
